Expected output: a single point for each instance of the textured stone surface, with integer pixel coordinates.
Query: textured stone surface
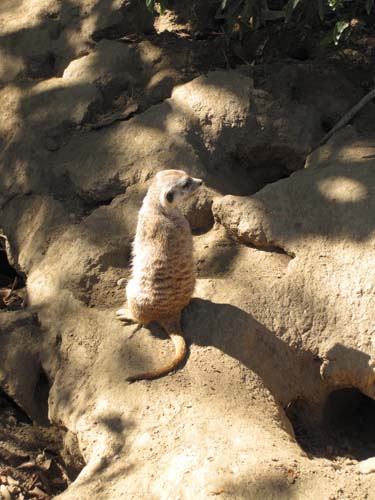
(20, 361)
(284, 298)
(321, 218)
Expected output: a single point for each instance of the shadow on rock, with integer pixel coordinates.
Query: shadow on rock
(348, 367)
(286, 372)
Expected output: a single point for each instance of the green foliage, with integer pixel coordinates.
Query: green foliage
(339, 29)
(341, 10)
(151, 5)
(369, 6)
(245, 12)
(335, 4)
(253, 13)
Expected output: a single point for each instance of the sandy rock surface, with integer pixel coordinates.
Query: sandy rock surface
(319, 217)
(282, 318)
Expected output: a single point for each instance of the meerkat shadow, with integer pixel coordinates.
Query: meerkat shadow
(239, 335)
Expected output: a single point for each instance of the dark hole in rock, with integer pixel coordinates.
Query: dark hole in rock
(299, 53)
(327, 123)
(40, 461)
(7, 272)
(41, 393)
(41, 66)
(110, 33)
(9, 408)
(246, 173)
(270, 249)
(344, 426)
(12, 283)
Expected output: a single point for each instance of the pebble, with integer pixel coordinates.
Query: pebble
(14, 489)
(367, 466)
(5, 495)
(51, 144)
(38, 492)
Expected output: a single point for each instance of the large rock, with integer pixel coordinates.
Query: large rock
(321, 217)
(266, 329)
(178, 133)
(55, 102)
(111, 64)
(20, 362)
(217, 120)
(40, 38)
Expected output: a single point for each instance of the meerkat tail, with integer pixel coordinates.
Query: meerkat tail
(180, 353)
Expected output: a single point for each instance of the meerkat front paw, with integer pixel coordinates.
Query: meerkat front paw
(124, 315)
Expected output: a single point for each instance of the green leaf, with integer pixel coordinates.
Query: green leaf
(369, 6)
(338, 30)
(290, 6)
(150, 4)
(335, 4)
(163, 6)
(327, 39)
(320, 5)
(223, 4)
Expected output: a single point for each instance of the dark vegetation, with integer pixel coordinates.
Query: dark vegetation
(236, 16)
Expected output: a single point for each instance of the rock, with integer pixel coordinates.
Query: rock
(195, 18)
(108, 24)
(162, 83)
(10, 67)
(5, 494)
(72, 256)
(137, 18)
(51, 144)
(20, 364)
(25, 42)
(41, 65)
(35, 220)
(198, 210)
(112, 66)
(189, 124)
(310, 83)
(283, 307)
(367, 466)
(320, 218)
(55, 102)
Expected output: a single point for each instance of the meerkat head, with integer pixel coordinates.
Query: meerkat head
(175, 187)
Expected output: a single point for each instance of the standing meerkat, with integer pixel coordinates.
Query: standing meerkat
(163, 270)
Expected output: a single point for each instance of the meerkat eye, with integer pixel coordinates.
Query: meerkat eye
(170, 196)
(186, 183)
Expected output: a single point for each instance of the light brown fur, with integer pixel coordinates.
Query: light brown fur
(163, 271)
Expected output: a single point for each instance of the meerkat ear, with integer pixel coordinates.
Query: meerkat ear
(170, 196)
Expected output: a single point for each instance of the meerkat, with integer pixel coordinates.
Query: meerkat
(163, 271)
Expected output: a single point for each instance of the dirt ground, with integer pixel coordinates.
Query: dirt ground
(98, 96)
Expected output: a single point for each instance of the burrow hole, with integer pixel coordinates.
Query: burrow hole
(12, 282)
(38, 458)
(244, 174)
(344, 426)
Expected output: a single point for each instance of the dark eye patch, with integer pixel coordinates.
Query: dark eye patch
(186, 183)
(170, 196)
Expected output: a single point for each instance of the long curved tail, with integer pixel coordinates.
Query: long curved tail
(180, 353)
